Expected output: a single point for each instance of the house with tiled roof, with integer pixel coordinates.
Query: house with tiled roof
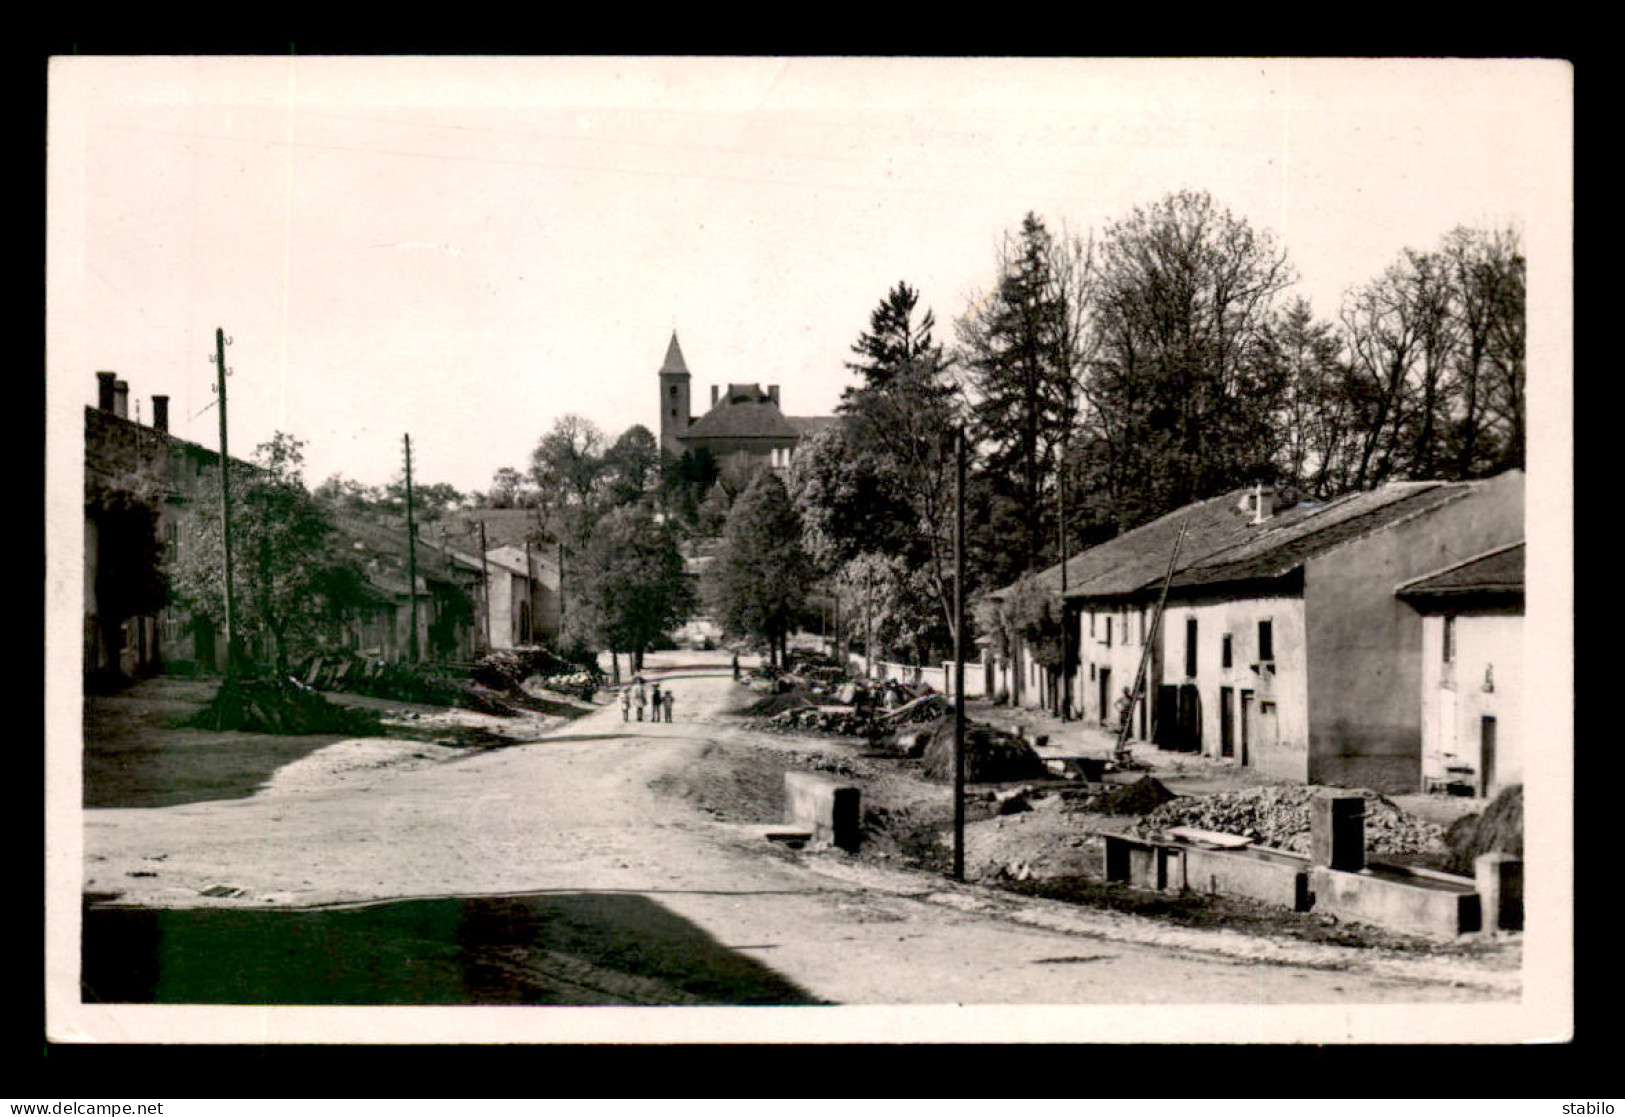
(1282, 646)
(1472, 671)
(744, 424)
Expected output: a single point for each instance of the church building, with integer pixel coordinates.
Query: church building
(743, 422)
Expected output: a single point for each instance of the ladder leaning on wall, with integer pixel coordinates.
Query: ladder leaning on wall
(1121, 753)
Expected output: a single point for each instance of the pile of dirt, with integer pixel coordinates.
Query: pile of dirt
(991, 756)
(277, 705)
(1498, 830)
(1143, 796)
(772, 704)
(1278, 816)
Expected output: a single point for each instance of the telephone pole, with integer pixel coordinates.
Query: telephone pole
(485, 586)
(411, 553)
(225, 504)
(959, 655)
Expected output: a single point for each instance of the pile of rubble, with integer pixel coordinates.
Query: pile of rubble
(823, 719)
(279, 705)
(1278, 816)
(429, 684)
(577, 684)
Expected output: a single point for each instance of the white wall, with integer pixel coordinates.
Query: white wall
(1278, 734)
(1489, 653)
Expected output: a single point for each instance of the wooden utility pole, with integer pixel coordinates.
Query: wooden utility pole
(485, 574)
(868, 623)
(225, 504)
(411, 553)
(959, 655)
(1065, 710)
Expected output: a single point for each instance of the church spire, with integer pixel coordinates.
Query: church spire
(674, 358)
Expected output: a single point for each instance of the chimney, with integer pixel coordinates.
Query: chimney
(1260, 502)
(713, 395)
(773, 394)
(121, 398)
(160, 413)
(104, 390)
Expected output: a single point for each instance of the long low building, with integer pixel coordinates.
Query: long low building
(1283, 646)
(142, 485)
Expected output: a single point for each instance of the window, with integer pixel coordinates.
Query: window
(1142, 624)
(674, 413)
(1266, 641)
(1226, 651)
(1108, 632)
(1449, 639)
(1091, 624)
(1190, 647)
(674, 391)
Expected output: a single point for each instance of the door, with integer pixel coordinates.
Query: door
(1106, 696)
(1486, 755)
(1227, 721)
(1165, 729)
(1248, 714)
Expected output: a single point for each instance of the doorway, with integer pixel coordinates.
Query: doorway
(1247, 716)
(1105, 678)
(1227, 721)
(1486, 755)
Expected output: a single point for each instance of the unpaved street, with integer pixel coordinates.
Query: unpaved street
(562, 867)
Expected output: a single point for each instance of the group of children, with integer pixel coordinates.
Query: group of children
(637, 697)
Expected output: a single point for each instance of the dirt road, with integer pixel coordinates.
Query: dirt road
(558, 865)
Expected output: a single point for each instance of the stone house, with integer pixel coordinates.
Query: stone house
(1283, 646)
(1472, 671)
(1290, 653)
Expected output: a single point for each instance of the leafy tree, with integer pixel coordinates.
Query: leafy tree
(567, 469)
(508, 489)
(686, 482)
(878, 485)
(1180, 403)
(1313, 439)
(759, 581)
(629, 584)
(280, 559)
(632, 466)
(1486, 269)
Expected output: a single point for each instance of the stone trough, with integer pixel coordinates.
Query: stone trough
(1334, 880)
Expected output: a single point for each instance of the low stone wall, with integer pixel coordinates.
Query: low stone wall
(1335, 880)
(827, 808)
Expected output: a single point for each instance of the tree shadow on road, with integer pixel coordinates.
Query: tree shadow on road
(557, 949)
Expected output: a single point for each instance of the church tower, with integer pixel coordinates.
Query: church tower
(674, 415)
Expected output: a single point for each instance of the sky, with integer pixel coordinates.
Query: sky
(467, 249)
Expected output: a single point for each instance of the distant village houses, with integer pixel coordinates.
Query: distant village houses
(744, 424)
(511, 592)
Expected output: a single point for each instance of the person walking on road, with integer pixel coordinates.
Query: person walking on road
(670, 698)
(656, 702)
(626, 703)
(640, 697)
(736, 667)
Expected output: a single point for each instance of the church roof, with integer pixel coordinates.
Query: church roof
(674, 358)
(742, 417)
